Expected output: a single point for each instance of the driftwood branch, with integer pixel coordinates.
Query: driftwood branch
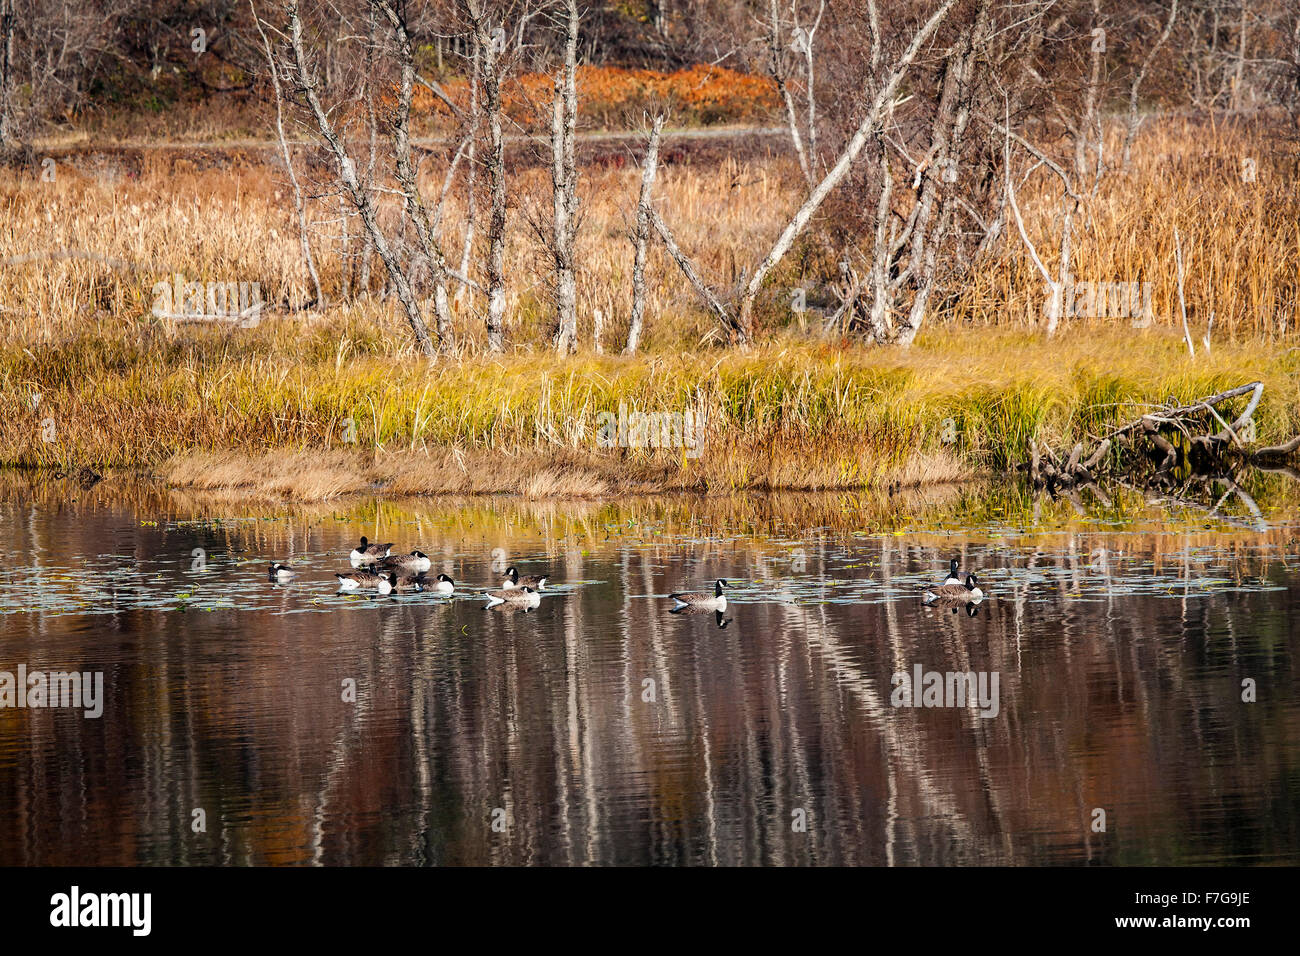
(1183, 411)
(1166, 438)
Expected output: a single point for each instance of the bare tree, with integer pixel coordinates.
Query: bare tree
(7, 24)
(644, 213)
(1082, 129)
(471, 176)
(1070, 203)
(952, 117)
(299, 205)
(1240, 71)
(877, 91)
(405, 170)
(564, 187)
(489, 46)
(51, 51)
(1216, 64)
(802, 43)
(885, 92)
(1131, 131)
(347, 177)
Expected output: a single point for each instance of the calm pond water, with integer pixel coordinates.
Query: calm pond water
(601, 729)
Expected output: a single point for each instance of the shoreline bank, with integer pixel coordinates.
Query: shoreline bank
(317, 411)
(319, 477)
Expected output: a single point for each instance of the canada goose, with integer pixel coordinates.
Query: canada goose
(280, 572)
(445, 585)
(952, 577)
(703, 598)
(513, 580)
(415, 561)
(365, 580)
(524, 597)
(407, 581)
(367, 552)
(968, 592)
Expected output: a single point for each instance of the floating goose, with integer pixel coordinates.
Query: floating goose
(415, 561)
(365, 580)
(513, 580)
(280, 572)
(407, 581)
(524, 597)
(952, 577)
(703, 598)
(367, 552)
(444, 585)
(949, 593)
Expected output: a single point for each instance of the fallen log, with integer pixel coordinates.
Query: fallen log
(1277, 451)
(1169, 454)
(1205, 442)
(1072, 466)
(1169, 414)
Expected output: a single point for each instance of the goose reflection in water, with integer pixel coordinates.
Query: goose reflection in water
(718, 617)
(955, 605)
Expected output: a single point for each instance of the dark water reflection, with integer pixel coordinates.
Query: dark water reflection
(1121, 637)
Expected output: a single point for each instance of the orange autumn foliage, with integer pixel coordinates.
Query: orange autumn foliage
(614, 97)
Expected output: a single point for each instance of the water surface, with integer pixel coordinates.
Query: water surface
(602, 729)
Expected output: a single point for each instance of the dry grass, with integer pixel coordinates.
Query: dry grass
(228, 217)
(788, 416)
(267, 408)
(232, 223)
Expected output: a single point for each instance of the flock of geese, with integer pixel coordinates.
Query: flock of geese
(376, 568)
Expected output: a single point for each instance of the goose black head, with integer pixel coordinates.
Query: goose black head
(971, 582)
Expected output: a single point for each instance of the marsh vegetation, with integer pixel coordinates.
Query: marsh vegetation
(937, 253)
